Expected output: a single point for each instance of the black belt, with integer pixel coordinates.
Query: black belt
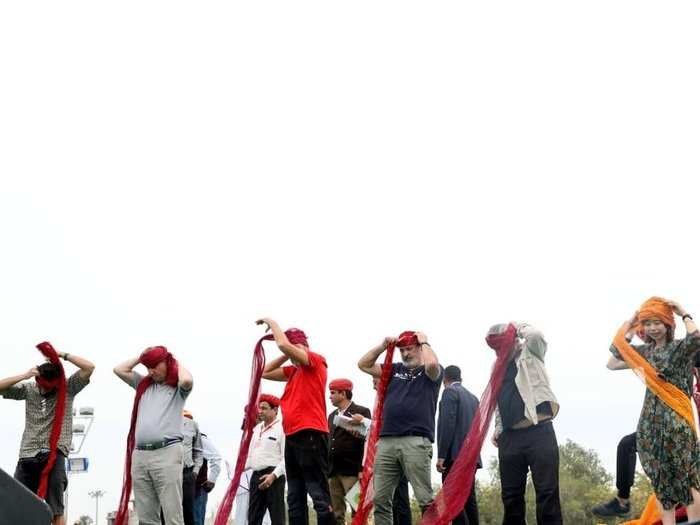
(157, 444)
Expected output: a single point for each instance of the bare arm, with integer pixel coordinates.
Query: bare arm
(273, 370)
(11, 381)
(125, 370)
(430, 360)
(296, 352)
(368, 362)
(616, 364)
(184, 378)
(86, 367)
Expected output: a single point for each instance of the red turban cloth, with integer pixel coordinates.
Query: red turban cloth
(407, 338)
(59, 384)
(150, 358)
(296, 337)
(655, 308)
(271, 400)
(340, 384)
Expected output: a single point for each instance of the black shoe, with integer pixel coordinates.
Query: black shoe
(611, 508)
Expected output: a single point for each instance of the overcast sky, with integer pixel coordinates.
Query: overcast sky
(172, 171)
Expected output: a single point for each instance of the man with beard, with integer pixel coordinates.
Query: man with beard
(406, 438)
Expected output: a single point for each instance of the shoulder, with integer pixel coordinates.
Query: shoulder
(316, 360)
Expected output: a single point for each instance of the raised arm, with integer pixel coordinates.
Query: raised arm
(125, 371)
(86, 367)
(619, 364)
(430, 360)
(296, 352)
(12, 381)
(184, 378)
(368, 362)
(273, 370)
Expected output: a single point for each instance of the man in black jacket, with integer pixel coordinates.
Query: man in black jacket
(346, 445)
(457, 409)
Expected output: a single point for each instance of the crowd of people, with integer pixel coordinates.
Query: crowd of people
(297, 445)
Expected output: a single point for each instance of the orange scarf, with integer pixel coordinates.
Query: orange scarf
(650, 515)
(669, 393)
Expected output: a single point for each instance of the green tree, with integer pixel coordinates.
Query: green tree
(583, 483)
(85, 520)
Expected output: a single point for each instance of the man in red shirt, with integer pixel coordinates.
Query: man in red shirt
(304, 423)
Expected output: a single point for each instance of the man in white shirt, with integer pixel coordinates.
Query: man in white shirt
(266, 459)
(206, 478)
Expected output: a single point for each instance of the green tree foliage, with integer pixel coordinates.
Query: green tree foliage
(583, 483)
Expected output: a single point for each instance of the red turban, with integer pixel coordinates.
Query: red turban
(60, 385)
(296, 337)
(340, 384)
(271, 400)
(501, 336)
(150, 358)
(655, 308)
(407, 338)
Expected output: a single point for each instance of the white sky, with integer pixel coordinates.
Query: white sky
(172, 171)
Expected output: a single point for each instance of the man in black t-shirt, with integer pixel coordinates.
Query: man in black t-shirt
(405, 445)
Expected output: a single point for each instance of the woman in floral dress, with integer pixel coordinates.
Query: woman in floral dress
(666, 442)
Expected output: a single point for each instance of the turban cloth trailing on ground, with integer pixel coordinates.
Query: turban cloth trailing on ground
(249, 422)
(364, 506)
(150, 358)
(450, 500)
(271, 400)
(59, 384)
(340, 384)
(407, 338)
(652, 516)
(654, 308)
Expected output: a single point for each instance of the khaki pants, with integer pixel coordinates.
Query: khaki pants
(157, 480)
(339, 486)
(410, 455)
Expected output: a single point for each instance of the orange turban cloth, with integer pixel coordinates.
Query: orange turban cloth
(655, 308)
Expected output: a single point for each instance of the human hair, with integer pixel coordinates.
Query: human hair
(453, 373)
(49, 371)
(348, 394)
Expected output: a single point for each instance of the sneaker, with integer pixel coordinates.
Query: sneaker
(611, 508)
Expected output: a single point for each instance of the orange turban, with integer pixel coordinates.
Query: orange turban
(655, 308)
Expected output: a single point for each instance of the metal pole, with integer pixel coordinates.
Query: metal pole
(97, 494)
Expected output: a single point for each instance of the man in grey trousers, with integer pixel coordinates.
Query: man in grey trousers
(405, 445)
(158, 457)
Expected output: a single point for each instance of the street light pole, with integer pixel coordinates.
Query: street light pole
(97, 494)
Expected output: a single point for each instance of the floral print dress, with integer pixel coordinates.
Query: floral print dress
(667, 446)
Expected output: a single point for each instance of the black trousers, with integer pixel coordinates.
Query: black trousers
(470, 513)
(402, 504)
(534, 448)
(626, 464)
(306, 465)
(262, 500)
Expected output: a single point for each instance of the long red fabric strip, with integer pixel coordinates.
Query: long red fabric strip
(151, 358)
(251, 414)
(450, 500)
(60, 385)
(366, 495)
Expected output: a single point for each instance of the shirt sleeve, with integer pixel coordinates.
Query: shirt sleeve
(534, 340)
(18, 391)
(446, 422)
(691, 343)
(288, 371)
(213, 457)
(135, 380)
(76, 383)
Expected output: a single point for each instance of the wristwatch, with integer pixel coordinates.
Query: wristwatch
(687, 316)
